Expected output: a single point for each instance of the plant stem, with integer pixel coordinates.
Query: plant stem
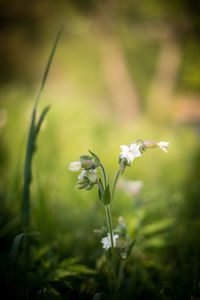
(109, 221)
(121, 269)
(104, 175)
(114, 187)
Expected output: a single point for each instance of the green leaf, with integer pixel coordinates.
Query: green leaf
(69, 261)
(97, 296)
(157, 227)
(81, 269)
(30, 233)
(130, 247)
(40, 253)
(107, 196)
(95, 157)
(100, 189)
(48, 66)
(41, 119)
(15, 246)
(59, 274)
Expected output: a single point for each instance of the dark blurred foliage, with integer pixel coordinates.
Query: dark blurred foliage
(23, 24)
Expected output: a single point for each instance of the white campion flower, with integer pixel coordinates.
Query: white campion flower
(106, 241)
(84, 173)
(75, 166)
(163, 146)
(130, 152)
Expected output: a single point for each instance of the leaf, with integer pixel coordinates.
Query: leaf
(100, 189)
(41, 119)
(59, 274)
(130, 247)
(97, 296)
(155, 242)
(81, 269)
(30, 233)
(48, 66)
(40, 253)
(107, 196)
(95, 156)
(69, 261)
(15, 246)
(157, 227)
(30, 148)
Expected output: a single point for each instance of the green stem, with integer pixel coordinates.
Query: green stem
(109, 221)
(104, 175)
(121, 269)
(114, 187)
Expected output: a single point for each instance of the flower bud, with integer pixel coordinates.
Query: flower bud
(149, 144)
(123, 255)
(88, 164)
(92, 176)
(82, 183)
(122, 166)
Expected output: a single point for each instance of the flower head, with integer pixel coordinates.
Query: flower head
(163, 146)
(106, 241)
(151, 144)
(130, 152)
(75, 166)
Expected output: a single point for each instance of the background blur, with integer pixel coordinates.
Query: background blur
(123, 70)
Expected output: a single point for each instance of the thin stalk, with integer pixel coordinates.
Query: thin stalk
(114, 187)
(104, 175)
(121, 269)
(109, 221)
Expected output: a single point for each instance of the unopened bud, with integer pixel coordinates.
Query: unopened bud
(88, 164)
(122, 166)
(91, 175)
(123, 255)
(82, 183)
(150, 144)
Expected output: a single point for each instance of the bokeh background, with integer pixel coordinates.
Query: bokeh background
(123, 70)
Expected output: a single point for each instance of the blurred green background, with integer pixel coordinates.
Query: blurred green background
(123, 70)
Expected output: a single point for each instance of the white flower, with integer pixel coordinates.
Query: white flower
(130, 152)
(163, 146)
(75, 166)
(84, 173)
(106, 241)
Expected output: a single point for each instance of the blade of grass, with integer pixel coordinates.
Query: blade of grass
(30, 148)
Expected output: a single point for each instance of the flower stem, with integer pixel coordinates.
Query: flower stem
(109, 221)
(104, 175)
(114, 187)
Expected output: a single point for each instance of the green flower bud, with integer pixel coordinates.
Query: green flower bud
(88, 164)
(92, 176)
(82, 183)
(149, 144)
(123, 164)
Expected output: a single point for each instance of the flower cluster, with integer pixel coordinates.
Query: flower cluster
(135, 149)
(88, 177)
